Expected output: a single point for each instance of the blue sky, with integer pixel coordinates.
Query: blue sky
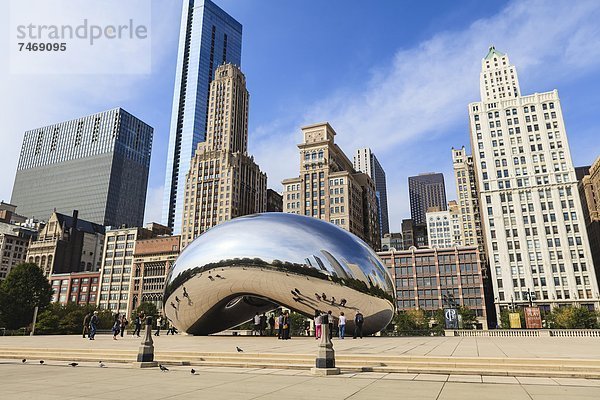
(392, 75)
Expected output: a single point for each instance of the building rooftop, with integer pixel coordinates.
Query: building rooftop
(493, 52)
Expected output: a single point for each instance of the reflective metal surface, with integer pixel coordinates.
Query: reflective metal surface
(259, 262)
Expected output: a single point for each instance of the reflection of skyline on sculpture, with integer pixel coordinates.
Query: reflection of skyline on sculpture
(263, 257)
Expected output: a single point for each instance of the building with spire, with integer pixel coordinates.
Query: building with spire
(208, 37)
(223, 182)
(532, 216)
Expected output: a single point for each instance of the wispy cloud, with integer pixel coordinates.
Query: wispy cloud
(419, 101)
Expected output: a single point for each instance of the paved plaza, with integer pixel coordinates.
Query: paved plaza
(513, 347)
(57, 380)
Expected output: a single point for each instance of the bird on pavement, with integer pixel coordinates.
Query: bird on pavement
(163, 368)
(41, 362)
(193, 371)
(73, 364)
(239, 350)
(24, 360)
(101, 364)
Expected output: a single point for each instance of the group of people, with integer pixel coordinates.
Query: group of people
(319, 320)
(120, 323)
(281, 324)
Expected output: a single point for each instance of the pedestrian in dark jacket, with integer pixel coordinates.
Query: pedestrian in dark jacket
(86, 323)
(138, 325)
(358, 324)
(116, 328)
(271, 325)
(124, 324)
(94, 320)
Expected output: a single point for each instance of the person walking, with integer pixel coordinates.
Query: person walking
(138, 325)
(342, 325)
(317, 324)
(116, 328)
(280, 326)
(123, 324)
(94, 320)
(158, 324)
(86, 323)
(358, 324)
(271, 324)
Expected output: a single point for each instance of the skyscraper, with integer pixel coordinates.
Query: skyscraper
(329, 188)
(365, 161)
(589, 191)
(425, 191)
(224, 182)
(96, 164)
(208, 38)
(531, 211)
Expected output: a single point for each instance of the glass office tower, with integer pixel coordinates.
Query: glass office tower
(96, 164)
(208, 38)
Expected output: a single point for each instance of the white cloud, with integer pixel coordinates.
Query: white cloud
(422, 96)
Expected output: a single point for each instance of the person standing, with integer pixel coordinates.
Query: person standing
(330, 324)
(358, 324)
(86, 323)
(94, 320)
(271, 325)
(286, 326)
(138, 325)
(116, 328)
(342, 325)
(280, 326)
(317, 324)
(124, 324)
(263, 325)
(256, 324)
(158, 323)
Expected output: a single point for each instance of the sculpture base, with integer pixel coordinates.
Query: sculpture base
(324, 371)
(145, 364)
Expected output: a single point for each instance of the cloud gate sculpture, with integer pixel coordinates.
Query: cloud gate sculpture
(260, 262)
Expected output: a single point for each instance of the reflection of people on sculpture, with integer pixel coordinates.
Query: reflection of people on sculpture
(185, 293)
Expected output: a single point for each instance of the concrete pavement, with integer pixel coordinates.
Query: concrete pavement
(57, 380)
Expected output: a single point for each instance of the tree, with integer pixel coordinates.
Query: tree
(24, 288)
(572, 318)
(412, 322)
(468, 317)
(149, 309)
(58, 319)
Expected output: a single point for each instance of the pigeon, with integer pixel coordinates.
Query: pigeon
(101, 364)
(163, 368)
(239, 350)
(193, 371)
(41, 362)
(73, 364)
(24, 360)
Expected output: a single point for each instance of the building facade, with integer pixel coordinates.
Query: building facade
(414, 235)
(223, 182)
(392, 241)
(531, 211)
(96, 164)
(366, 162)
(329, 188)
(468, 200)
(425, 191)
(117, 267)
(14, 241)
(77, 287)
(153, 258)
(274, 201)
(589, 192)
(443, 227)
(208, 37)
(426, 278)
(67, 244)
